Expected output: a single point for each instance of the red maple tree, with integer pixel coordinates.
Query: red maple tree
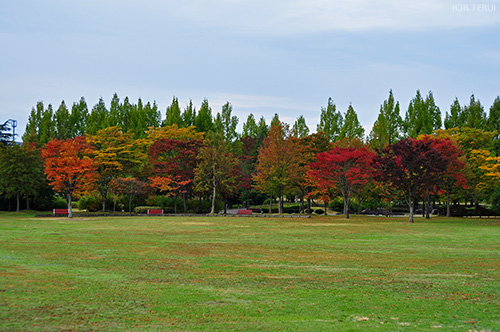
(69, 168)
(344, 169)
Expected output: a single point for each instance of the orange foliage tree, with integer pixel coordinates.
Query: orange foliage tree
(69, 168)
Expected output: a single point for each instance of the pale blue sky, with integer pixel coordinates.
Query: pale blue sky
(265, 57)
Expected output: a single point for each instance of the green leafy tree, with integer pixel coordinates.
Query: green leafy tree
(388, 126)
(300, 128)
(494, 124)
(62, 122)
(98, 118)
(422, 116)
(352, 127)
(78, 118)
(262, 129)
(218, 168)
(21, 172)
(114, 112)
(275, 120)
(189, 115)
(250, 128)
(473, 115)
(204, 121)
(330, 121)
(452, 120)
(125, 114)
(47, 126)
(173, 115)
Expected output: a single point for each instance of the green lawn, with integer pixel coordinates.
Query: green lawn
(209, 273)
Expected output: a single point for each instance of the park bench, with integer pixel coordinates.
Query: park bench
(243, 212)
(255, 210)
(60, 211)
(155, 211)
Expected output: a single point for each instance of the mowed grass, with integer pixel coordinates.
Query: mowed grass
(216, 273)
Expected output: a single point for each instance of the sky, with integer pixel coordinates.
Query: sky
(264, 57)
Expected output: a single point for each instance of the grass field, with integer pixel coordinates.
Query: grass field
(209, 273)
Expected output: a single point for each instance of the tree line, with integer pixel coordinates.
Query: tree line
(127, 150)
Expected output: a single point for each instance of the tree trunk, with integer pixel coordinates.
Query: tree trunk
(326, 207)
(130, 204)
(104, 196)
(359, 201)
(448, 210)
(428, 207)
(27, 202)
(271, 204)
(309, 206)
(280, 204)
(411, 212)
(184, 197)
(70, 208)
(213, 198)
(346, 207)
(175, 204)
(18, 202)
(200, 204)
(225, 205)
(302, 200)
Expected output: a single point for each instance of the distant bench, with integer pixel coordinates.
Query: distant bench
(249, 211)
(60, 211)
(155, 211)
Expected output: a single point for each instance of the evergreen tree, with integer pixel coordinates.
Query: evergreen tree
(250, 128)
(330, 121)
(387, 128)
(300, 128)
(452, 120)
(422, 117)
(62, 122)
(126, 114)
(204, 121)
(31, 132)
(173, 115)
(5, 135)
(189, 115)
(98, 118)
(78, 118)
(352, 127)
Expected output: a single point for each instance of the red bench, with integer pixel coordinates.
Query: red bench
(153, 211)
(244, 211)
(60, 211)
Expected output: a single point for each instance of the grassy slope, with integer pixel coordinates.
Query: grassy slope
(324, 273)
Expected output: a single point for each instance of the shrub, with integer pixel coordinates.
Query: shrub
(495, 200)
(59, 203)
(89, 203)
(319, 211)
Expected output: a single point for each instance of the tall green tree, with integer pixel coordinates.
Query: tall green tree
(189, 115)
(173, 115)
(250, 128)
(452, 120)
(494, 124)
(330, 121)
(388, 126)
(422, 116)
(352, 127)
(473, 115)
(62, 122)
(98, 118)
(300, 128)
(47, 126)
(21, 172)
(275, 120)
(78, 118)
(262, 129)
(114, 112)
(204, 121)
(5, 135)
(125, 114)
(226, 123)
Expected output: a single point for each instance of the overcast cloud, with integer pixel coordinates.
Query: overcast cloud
(264, 57)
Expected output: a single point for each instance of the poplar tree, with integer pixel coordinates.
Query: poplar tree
(173, 115)
(300, 128)
(189, 115)
(330, 121)
(422, 116)
(203, 120)
(78, 118)
(352, 127)
(62, 122)
(388, 126)
(250, 128)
